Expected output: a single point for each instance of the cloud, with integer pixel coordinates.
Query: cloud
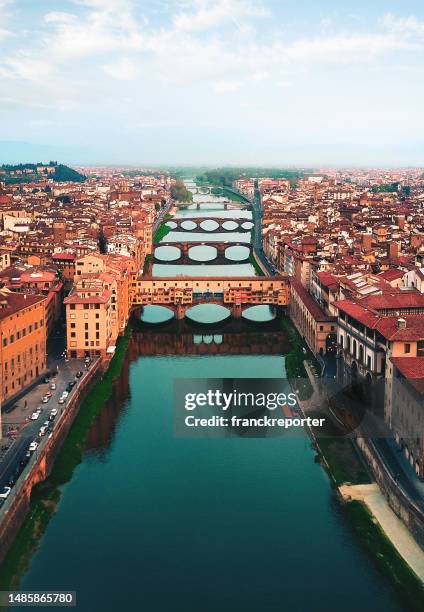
(404, 25)
(207, 14)
(122, 70)
(226, 86)
(59, 17)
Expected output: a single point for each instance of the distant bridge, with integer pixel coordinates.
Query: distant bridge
(220, 249)
(233, 225)
(207, 190)
(179, 294)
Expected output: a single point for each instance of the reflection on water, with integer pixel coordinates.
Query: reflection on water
(156, 314)
(202, 253)
(206, 313)
(203, 270)
(209, 225)
(203, 237)
(237, 253)
(218, 213)
(167, 253)
(235, 516)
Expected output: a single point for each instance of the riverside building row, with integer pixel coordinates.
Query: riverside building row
(352, 243)
(67, 252)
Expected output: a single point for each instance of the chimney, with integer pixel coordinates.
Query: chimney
(401, 323)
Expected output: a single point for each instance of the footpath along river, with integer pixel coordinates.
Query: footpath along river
(153, 522)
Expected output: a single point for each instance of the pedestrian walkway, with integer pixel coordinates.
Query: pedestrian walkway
(395, 530)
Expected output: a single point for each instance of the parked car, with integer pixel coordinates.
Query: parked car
(5, 492)
(46, 398)
(53, 412)
(78, 374)
(71, 384)
(87, 360)
(62, 400)
(24, 461)
(33, 446)
(43, 430)
(35, 415)
(65, 394)
(53, 386)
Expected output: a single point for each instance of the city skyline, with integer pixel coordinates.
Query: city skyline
(214, 83)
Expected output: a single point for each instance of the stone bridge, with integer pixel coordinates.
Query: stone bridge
(220, 256)
(207, 190)
(236, 224)
(179, 294)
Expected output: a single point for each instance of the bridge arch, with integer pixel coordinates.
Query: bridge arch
(208, 314)
(156, 314)
(259, 313)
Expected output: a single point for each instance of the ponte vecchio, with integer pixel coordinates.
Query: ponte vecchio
(237, 294)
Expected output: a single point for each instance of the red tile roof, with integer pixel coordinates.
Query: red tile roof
(10, 303)
(317, 313)
(395, 301)
(412, 368)
(392, 274)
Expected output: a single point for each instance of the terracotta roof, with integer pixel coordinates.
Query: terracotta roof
(414, 330)
(317, 313)
(10, 303)
(412, 368)
(69, 256)
(328, 280)
(392, 274)
(395, 301)
(364, 315)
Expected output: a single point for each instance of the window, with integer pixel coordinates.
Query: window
(407, 348)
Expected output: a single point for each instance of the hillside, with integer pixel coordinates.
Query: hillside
(29, 172)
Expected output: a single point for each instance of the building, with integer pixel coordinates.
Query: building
(317, 328)
(98, 306)
(22, 342)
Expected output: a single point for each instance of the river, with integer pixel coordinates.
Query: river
(153, 522)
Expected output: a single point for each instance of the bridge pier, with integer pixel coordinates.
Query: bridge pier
(180, 311)
(236, 311)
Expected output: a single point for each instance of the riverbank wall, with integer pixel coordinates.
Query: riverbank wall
(13, 516)
(401, 504)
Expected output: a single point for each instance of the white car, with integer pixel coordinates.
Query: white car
(53, 412)
(33, 446)
(45, 398)
(53, 387)
(65, 394)
(5, 492)
(35, 415)
(61, 400)
(43, 430)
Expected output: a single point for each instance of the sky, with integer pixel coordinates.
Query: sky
(217, 82)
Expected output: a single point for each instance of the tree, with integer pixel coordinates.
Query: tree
(180, 193)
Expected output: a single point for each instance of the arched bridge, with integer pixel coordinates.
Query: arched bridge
(207, 190)
(182, 293)
(223, 224)
(220, 252)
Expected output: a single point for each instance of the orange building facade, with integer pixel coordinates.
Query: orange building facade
(22, 342)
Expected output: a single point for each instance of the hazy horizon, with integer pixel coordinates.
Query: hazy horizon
(183, 82)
